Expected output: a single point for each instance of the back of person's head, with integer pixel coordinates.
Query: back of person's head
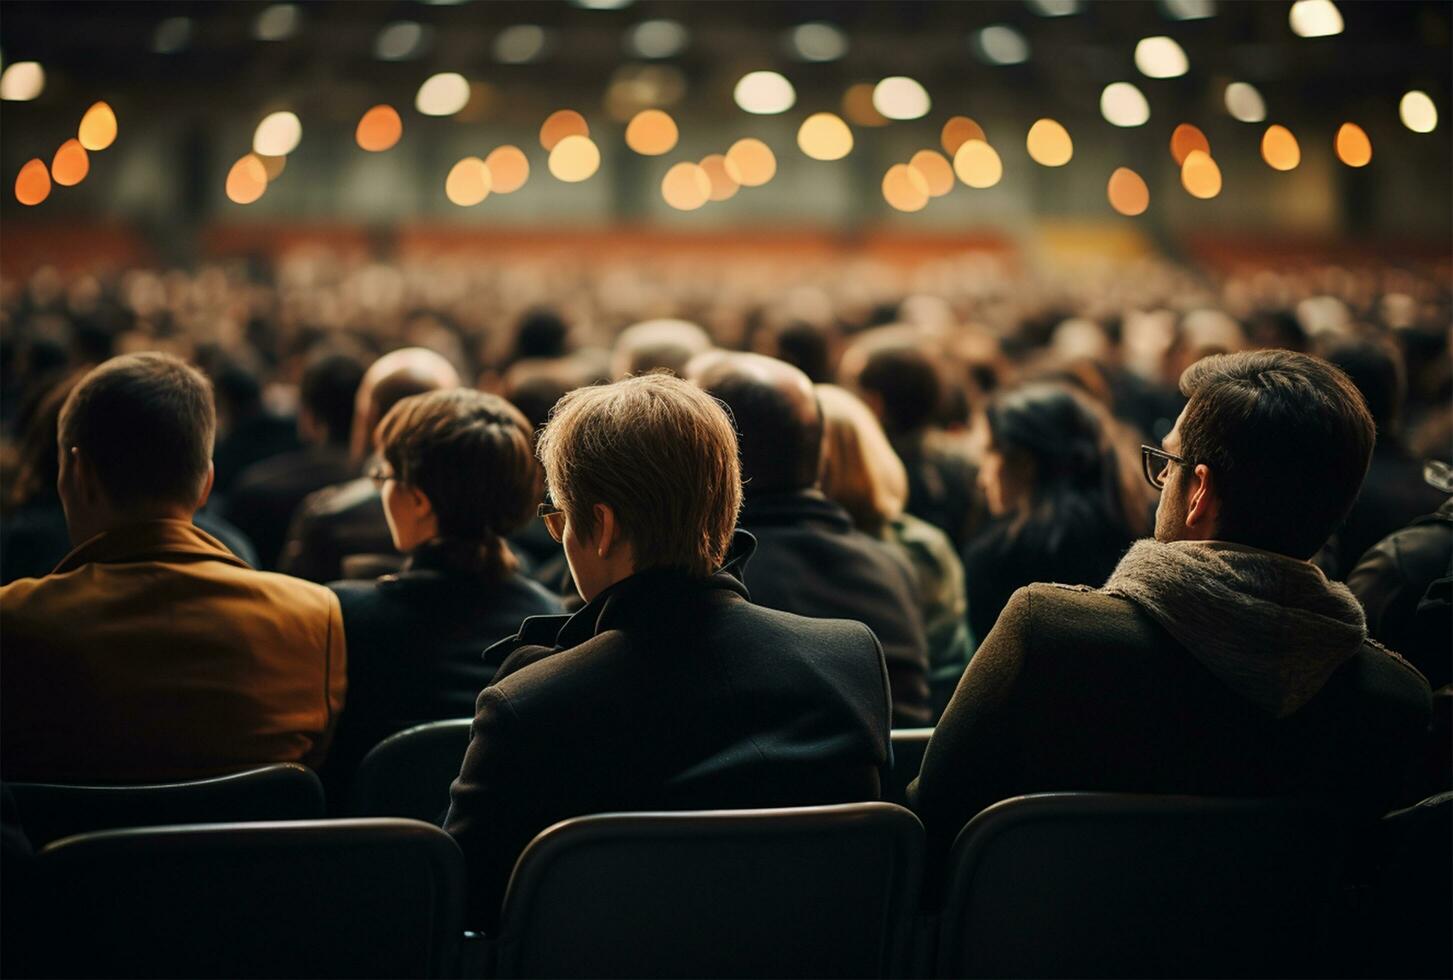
(1376, 368)
(144, 424)
(470, 454)
(860, 470)
(777, 417)
(899, 376)
(238, 388)
(807, 347)
(534, 386)
(37, 449)
(329, 387)
(541, 333)
(393, 377)
(1287, 438)
(662, 455)
(656, 345)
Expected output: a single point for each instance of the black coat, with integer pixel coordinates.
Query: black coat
(812, 562)
(268, 492)
(416, 646)
(665, 693)
(1393, 495)
(332, 525)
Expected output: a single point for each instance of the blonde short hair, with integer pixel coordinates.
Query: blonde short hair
(662, 454)
(860, 470)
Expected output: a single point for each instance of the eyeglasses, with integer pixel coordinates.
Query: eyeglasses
(380, 474)
(554, 519)
(1156, 462)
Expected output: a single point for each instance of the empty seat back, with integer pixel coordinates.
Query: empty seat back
(347, 898)
(908, 748)
(408, 774)
(286, 791)
(798, 892)
(1088, 885)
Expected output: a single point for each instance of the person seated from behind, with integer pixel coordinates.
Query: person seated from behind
(861, 472)
(657, 345)
(810, 559)
(345, 521)
(152, 652)
(669, 690)
(1052, 482)
(457, 473)
(1217, 660)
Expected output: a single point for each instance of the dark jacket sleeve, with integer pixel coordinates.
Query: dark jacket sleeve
(308, 552)
(970, 760)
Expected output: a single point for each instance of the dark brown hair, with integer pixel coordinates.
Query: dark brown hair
(1288, 439)
(146, 424)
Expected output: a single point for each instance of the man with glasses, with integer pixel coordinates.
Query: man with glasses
(1217, 660)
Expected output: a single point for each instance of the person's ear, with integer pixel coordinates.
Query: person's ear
(607, 533)
(1205, 503)
(421, 502)
(206, 486)
(76, 471)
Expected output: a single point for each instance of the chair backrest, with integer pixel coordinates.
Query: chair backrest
(908, 748)
(796, 892)
(286, 791)
(408, 774)
(1091, 884)
(343, 898)
(1405, 913)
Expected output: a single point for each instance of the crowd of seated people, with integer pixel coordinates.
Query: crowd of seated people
(710, 562)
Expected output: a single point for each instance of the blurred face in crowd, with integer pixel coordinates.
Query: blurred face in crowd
(1001, 477)
(411, 519)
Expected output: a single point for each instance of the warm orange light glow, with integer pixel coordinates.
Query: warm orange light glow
(247, 180)
(750, 162)
(904, 188)
(824, 136)
(274, 166)
(651, 133)
(858, 106)
(958, 131)
(723, 184)
(1127, 192)
(32, 184)
(468, 182)
(575, 158)
(977, 164)
(70, 164)
(508, 167)
(1049, 144)
(560, 124)
(1353, 146)
(1200, 176)
(98, 127)
(1185, 139)
(686, 187)
(937, 173)
(379, 129)
(1279, 148)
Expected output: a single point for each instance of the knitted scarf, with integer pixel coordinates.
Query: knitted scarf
(1272, 628)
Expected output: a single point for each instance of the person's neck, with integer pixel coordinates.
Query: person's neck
(85, 527)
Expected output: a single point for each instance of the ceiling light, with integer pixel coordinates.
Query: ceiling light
(1122, 104)
(764, 93)
(1161, 57)
(900, 97)
(1315, 18)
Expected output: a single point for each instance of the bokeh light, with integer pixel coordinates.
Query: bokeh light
(977, 164)
(22, 82)
(1353, 146)
(937, 172)
(520, 44)
(1185, 139)
(858, 106)
(574, 158)
(277, 135)
(172, 35)
(560, 124)
(70, 164)
(247, 180)
(1417, 112)
(657, 39)
(959, 130)
(277, 22)
(1055, 8)
(1000, 44)
(32, 184)
(1315, 18)
(379, 129)
(272, 166)
(1279, 148)
(400, 41)
(1161, 57)
(468, 182)
(818, 41)
(1200, 176)
(750, 162)
(824, 136)
(901, 97)
(1127, 192)
(1049, 144)
(686, 187)
(98, 127)
(509, 168)
(651, 133)
(723, 185)
(1245, 103)
(443, 94)
(904, 188)
(764, 93)
(1122, 104)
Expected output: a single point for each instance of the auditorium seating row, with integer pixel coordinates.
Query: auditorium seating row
(1070, 884)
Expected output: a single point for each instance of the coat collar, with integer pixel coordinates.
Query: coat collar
(794, 507)
(162, 540)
